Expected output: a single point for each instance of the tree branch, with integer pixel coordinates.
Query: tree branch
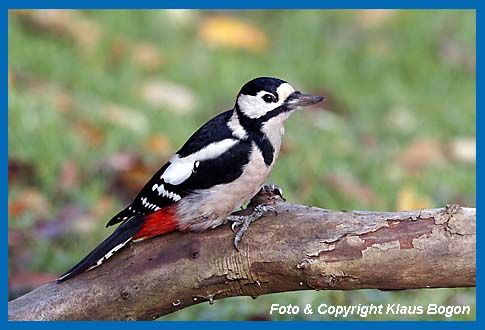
(301, 248)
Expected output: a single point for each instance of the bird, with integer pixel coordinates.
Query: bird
(220, 167)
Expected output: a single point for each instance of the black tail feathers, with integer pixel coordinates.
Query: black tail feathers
(119, 238)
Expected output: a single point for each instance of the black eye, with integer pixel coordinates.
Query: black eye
(268, 98)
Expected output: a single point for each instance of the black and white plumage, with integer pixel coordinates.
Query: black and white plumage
(220, 167)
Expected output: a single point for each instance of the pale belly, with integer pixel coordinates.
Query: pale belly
(210, 208)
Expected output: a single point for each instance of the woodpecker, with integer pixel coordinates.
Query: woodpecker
(220, 167)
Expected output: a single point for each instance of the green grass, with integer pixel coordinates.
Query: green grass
(416, 62)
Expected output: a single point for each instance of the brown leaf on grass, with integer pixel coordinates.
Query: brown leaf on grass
(421, 153)
(89, 132)
(20, 172)
(147, 56)
(229, 32)
(409, 199)
(132, 179)
(463, 149)
(62, 100)
(128, 172)
(117, 50)
(458, 54)
(70, 24)
(371, 18)
(29, 200)
(69, 178)
(159, 144)
(58, 96)
(173, 97)
(349, 186)
(125, 117)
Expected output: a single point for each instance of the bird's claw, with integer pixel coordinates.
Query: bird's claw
(245, 220)
(235, 225)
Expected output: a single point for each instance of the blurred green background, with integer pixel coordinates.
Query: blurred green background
(99, 99)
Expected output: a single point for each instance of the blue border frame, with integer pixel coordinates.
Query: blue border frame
(249, 4)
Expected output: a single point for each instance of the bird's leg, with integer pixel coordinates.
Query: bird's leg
(245, 220)
(268, 193)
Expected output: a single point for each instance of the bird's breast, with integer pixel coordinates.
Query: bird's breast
(209, 208)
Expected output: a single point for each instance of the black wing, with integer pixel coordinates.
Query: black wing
(157, 193)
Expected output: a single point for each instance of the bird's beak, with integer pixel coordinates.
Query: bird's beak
(297, 99)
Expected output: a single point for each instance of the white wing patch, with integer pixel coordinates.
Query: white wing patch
(181, 168)
(165, 193)
(178, 171)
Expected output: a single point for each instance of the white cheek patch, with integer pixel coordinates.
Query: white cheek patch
(255, 107)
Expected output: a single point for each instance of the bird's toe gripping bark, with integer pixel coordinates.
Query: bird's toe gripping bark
(245, 220)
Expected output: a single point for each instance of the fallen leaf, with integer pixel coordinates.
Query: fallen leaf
(60, 98)
(117, 50)
(128, 173)
(62, 23)
(89, 132)
(409, 199)
(225, 31)
(347, 185)
(29, 200)
(173, 97)
(126, 118)
(69, 178)
(159, 144)
(458, 54)
(147, 56)
(421, 153)
(371, 18)
(20, 172)
(463, 149)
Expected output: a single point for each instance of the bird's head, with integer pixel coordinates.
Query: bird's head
(263, 98)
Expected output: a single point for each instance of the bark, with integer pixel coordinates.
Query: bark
(300, 248)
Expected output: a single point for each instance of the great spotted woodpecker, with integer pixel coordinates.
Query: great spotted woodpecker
(222, 165)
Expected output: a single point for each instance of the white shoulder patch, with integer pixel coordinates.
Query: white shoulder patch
(181, 168)
(178, 171)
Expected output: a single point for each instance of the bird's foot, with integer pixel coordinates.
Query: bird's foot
(245, 220)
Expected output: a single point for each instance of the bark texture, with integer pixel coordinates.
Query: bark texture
(301, 248)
